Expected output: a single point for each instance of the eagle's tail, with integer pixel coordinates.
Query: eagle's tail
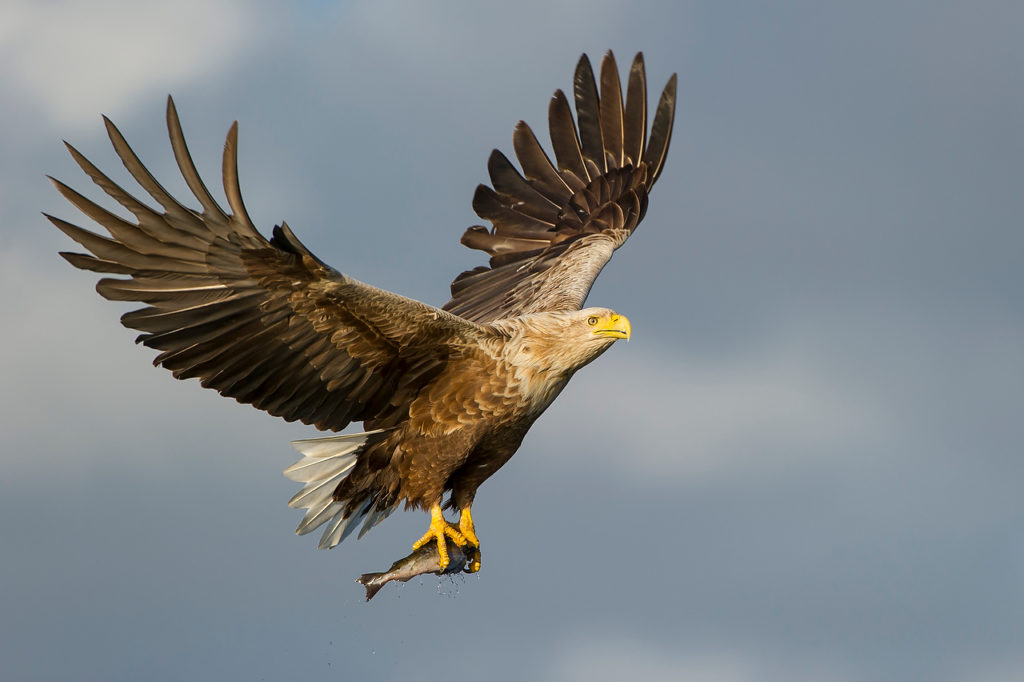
(325, 463)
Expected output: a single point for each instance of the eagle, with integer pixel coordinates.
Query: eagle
(445, 394)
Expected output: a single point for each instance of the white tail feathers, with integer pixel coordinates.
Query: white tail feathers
(325, 463)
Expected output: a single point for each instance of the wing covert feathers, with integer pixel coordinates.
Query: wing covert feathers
(264, 322)
(555, 225)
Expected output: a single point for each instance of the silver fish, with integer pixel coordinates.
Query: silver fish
(423, 560)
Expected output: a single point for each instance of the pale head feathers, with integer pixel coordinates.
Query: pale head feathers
(560, 342)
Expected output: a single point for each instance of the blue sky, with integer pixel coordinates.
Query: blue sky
(809, 469)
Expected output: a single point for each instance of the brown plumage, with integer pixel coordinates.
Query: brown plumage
(445, 394)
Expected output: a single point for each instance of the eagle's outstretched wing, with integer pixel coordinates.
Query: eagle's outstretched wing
(555, 228)
(264, 322)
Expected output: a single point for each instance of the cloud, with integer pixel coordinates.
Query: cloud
(671, 416)
(79, 57)
(595, 656)
(621, 657)
(1010, 669)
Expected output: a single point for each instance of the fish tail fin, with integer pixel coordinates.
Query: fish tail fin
(372, 582)
(325, 463)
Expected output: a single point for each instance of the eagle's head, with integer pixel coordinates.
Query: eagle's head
(603, 323)
(560, 342)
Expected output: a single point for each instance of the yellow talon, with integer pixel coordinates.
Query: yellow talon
(466, 527)
(438, 529)
(469, 533)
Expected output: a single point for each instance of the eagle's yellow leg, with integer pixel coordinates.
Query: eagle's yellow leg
(438, 529)
(468, 532)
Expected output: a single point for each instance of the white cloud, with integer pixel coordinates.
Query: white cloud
(595, 656)
(1006, 670)
(619, 657)
(673, 416)
(74, 58)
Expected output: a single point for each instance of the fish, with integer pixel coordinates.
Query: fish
(421, 561)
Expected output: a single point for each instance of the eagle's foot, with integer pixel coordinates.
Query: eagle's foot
(439, 528)
(469, 532)
(474, 560)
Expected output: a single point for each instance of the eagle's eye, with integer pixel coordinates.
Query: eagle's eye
(592, 320)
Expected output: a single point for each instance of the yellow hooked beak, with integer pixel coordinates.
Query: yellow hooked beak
(613, 326)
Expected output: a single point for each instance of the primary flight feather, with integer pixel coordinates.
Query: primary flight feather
(445, 394)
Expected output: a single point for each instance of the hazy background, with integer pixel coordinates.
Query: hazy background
(806, 465)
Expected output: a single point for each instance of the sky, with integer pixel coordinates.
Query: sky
(810, 464)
